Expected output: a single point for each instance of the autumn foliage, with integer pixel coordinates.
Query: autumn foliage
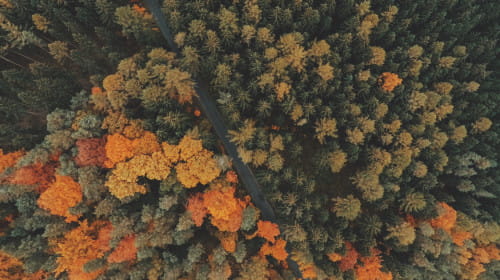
(350, 258)
(196, 165)
(370, 268)
(276, 250)
(61, 195)
(232, 177)
(267, 230)
(225, 210)
(41, 175)
(131, 180)
(154, 161)
(447, 219)
(118, 148)
(9, 159)
(273, 247)
(125, 251)
(228, 241)
(80, 246)
(197, 209)
(91, 151)
(389, 81)
(10, 267)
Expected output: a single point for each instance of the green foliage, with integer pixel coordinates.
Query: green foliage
(348, 208)
(305, 92)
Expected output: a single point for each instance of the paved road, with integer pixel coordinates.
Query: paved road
(211, 112)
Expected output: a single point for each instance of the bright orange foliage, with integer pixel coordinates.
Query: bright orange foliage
(334, 257)
(267, 230)
(118, 148)
(197, 113)
(308, 271)
(8, 160)
(474, 260)
(493, 252)
(370, 270)
(226, 210)
(103, 235)
(232, 177)
(197, 209)
(78, 247)
(10, 267)
(60, 196)
(96, 90)
(389, 81)
(350, 259)
(90, 152)
(447, 219)
(125, 251)
(276, 250)
(139, 9)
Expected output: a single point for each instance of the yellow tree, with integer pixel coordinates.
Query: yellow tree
(197, 165)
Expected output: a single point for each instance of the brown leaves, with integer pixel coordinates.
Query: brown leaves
(350, 258)
(197, 209)
(90, 152)
(38, 174)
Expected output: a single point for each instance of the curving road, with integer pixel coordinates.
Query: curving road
(211, 112)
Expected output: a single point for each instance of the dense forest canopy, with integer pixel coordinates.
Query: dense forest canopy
(370, 126)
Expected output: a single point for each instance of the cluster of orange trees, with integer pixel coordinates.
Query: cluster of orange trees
(371, 127)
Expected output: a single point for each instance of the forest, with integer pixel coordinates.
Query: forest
(249, 139)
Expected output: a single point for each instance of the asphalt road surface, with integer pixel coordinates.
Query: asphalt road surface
(210, 110)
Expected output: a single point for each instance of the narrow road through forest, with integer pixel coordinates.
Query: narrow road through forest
(210, 110)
